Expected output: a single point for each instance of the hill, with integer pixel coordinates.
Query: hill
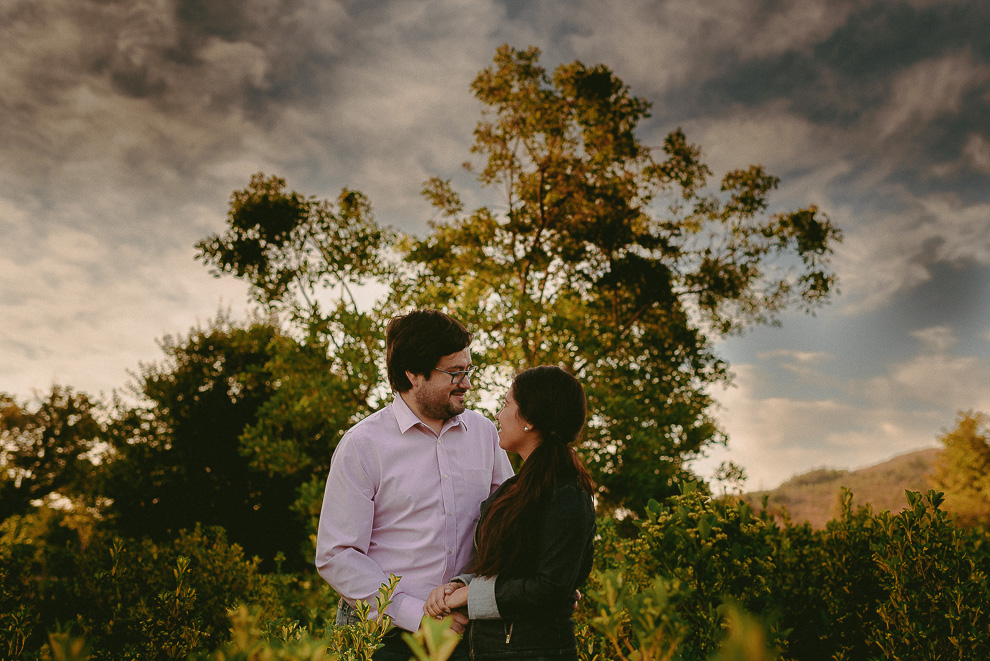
(814, 496)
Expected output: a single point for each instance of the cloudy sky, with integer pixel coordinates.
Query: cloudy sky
(125, 126)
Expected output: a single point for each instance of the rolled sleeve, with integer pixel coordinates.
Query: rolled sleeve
(481, 599)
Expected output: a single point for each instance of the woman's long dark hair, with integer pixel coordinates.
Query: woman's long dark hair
(552, 401)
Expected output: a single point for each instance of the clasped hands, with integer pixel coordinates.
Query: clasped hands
(449, 599)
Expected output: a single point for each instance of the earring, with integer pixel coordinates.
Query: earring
(525, 428)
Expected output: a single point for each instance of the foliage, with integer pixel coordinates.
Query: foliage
(47, 452)
(825, 584)
(307, 259)
(693, 552)
(291, 249)
(693, 579)
(641, 623)
(177, 459)
(613, 260)
(962, 471)
(936, 585)
(433, 641)
(306, 262)
(867, 586)
(127, 598)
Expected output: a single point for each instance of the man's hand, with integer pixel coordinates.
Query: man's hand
(436, 605)
(460, 621)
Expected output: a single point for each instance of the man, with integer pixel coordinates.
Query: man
(406, 483)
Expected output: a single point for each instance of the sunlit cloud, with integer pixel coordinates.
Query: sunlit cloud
(870, 419)
(775, 438)
(977, 153)
(934, 376)
(936, 338)
(896, 254)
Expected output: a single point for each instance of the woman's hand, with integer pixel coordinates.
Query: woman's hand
(458, 598)
(436, 605)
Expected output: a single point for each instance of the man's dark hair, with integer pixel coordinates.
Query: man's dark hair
(416, 342)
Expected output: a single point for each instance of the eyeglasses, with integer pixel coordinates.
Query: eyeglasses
(457, 377)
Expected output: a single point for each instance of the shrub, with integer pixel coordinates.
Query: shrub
(696, 553)
(935, 576)
(128, 598)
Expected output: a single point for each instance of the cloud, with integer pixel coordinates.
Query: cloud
(808, 157)
(977, 153)
(778, 432)
(666, 48)
(927, 90)
(97, 311)
(126, 127)
(801, 363)
(775, 438)
(896, 253)
(934, 376)
(936, 338)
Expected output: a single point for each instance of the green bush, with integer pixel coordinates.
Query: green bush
(935, 576)
(825, 585)
(868, 586)
(130, 599)
(695, 553)
(695, 579)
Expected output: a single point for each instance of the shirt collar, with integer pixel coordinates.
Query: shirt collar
(407, 419)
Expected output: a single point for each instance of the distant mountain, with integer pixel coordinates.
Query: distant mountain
(814, 496)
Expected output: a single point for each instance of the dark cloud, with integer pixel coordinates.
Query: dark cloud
(848, 73)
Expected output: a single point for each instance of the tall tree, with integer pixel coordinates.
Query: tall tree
(307, 261)
(48, 451)
(962, 470)
(614, 259)
(617, 260)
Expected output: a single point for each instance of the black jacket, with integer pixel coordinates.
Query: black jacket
(557, 543)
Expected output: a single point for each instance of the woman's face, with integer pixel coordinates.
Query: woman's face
(514, 433)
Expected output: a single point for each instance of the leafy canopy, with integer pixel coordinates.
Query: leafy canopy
(614, 259)
(617, 260)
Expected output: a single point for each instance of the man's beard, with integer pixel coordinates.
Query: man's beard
(437, 408)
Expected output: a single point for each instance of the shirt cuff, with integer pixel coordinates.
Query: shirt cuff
(407, 612)
(481, 599)
(464, 578)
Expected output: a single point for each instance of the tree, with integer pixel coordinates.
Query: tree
(962, 470)
(177, 459)
(49, 451)
(306, 261)
(613, 259)
(617, 262)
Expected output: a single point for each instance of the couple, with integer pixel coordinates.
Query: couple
(423, 489)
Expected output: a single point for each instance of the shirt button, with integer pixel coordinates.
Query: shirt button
(450, 551)
(446, 477)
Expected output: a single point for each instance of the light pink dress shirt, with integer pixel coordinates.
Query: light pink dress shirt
(402, 500)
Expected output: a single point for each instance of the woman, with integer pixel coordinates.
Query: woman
(533, 544)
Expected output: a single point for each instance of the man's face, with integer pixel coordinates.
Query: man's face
(434, 394)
